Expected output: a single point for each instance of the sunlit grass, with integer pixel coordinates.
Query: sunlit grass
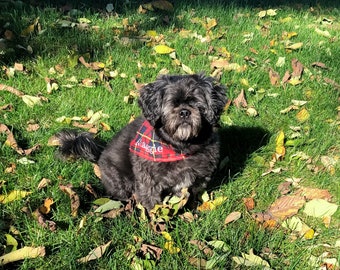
(244, 35)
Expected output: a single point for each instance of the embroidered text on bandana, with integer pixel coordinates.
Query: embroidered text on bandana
(148, 145)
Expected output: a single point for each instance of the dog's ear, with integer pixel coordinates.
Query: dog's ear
(216, 99)
(150, 100)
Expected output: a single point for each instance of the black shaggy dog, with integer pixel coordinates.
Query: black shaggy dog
(173, 145)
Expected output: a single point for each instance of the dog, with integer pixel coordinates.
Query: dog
(173, 145)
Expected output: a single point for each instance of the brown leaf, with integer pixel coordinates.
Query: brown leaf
(297, 68)
(327, 80)
(284, 187)
(11, 90)
(42, 221)
(202, 246)
(313, 193)
(154, 251)
(197, 262)
(75, 202)
(286, 206)
(241, 101)
(6, 107)
(44, 183)
(249, 203)
(96, 170)
(32, 127)
(274, 77)
(11, 141)
(286, 77)
(11, 168)
(320, 65)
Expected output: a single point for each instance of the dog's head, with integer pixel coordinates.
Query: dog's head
(182, 104)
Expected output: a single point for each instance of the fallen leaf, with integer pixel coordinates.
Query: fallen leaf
(297, 68)
(199, 263)
(320, 208)
(319, 64)
(46, 207)
(295, 46)
(11, 242)
(75, 202)
(303, 115)
(286, 206)
(31, 101)
(21, 254)
(249, 203)
(313, 193)
(170, 244)
(232, 217)
(152, 250)
(202, 246)
(44, 183)
(274, 77)
(240, 101)
(285, 188)
(13, 196)
(251, 260)
(43, 221)
(163, 49)
(95, 253)
(280, 149)
(323, 33)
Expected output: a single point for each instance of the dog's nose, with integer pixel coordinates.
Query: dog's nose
(184, 113)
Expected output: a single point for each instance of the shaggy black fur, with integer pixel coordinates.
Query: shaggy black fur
(184, 111)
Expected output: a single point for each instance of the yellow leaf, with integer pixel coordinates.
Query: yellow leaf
(295, 81)
(280, 149)
(295, 46)
(151, 33)
(171, 248)
(211, 23)
(13, 196)
(323, 33)
(167, 236)
(271, 12)
(309, 234)
(46, 207)
(262, 13)
(31, 100)
(302, 115)
(285, 20)
(163, 49)
(21, 254)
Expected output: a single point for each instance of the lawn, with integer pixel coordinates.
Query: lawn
(273, 202)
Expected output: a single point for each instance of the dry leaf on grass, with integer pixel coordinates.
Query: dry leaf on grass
(286, 206)
(95, 253)
(21, 254)
(11, 141)
(241, 101)
(274, 77)
(75, 202)
(232, 217)
(313, 193)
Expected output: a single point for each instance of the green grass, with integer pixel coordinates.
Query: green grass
(245, 142)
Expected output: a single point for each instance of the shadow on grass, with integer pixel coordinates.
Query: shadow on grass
(237, 144)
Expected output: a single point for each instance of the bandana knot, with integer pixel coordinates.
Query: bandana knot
(148, 145)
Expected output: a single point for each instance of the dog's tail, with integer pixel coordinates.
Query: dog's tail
(74, 144)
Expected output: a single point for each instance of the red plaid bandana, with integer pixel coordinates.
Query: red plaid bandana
(148, 145)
